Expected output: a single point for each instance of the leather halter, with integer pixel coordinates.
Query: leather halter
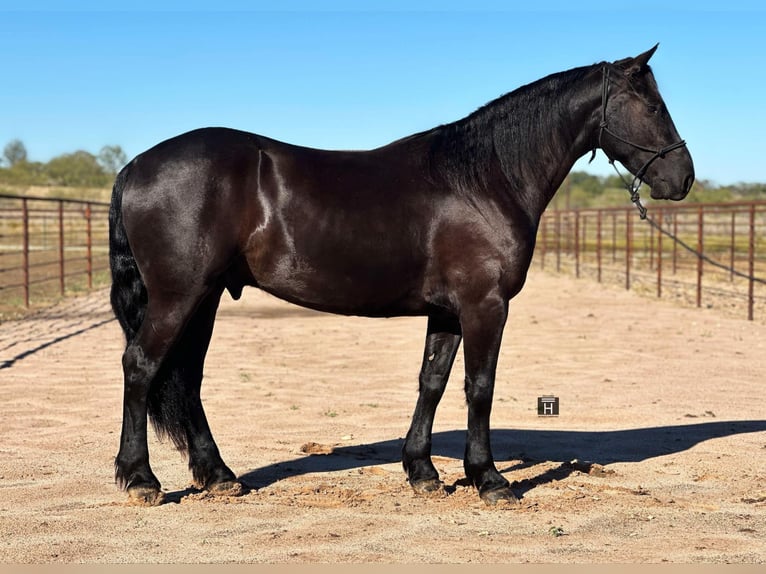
(633, 186)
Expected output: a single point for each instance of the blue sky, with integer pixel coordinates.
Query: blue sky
(356, 75)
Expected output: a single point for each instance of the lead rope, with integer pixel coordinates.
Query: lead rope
(630, 186)
(632, 189)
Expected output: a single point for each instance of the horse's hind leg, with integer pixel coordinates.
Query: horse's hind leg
(165, 318)
(442, 342)
(176, 408)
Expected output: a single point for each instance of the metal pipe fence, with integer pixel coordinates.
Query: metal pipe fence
(706, 254)
(49, 247)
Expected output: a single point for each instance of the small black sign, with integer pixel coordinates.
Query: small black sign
(548, 406)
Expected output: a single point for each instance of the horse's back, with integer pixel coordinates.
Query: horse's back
(344, 231)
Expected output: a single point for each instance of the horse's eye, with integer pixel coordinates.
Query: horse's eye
(654, 110)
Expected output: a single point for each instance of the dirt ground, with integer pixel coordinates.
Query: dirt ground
(658, 454)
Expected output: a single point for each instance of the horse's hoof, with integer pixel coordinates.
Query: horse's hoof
(428, 487)
(226, 488)
(146, 496)
(500, 496)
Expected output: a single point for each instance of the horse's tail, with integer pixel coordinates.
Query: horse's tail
(166, 403)
(128, 294)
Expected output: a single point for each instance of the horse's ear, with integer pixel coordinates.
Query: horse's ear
(634, 66)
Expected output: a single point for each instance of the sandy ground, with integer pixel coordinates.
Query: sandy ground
(662, 411)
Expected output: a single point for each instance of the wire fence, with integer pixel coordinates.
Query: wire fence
(50, 248)
(707, 254)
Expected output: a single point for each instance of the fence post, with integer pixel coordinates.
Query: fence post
(558, 241)
(700, 247)
(628, 247)
(577, 243)
(89, 244)
(659, 256)
(25, 249)
(751, 263)
(584, 247)
(733, 245)
(598, 244)
(675, 243)
(650, 247)
(61, 246)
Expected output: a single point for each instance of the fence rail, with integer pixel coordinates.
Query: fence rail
(711, 254)
(49, 247)
(706, 254)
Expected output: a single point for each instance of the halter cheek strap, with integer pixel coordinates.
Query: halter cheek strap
(633, 186)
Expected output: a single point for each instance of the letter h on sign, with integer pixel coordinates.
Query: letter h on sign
(548, 406)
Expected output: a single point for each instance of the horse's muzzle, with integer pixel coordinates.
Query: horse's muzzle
(675, 191)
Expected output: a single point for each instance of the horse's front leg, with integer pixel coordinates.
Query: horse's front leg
(483, 325)
(442, 342)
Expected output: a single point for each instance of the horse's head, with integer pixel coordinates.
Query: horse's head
(637, 131)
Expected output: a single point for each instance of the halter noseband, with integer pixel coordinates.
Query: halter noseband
(633, 186)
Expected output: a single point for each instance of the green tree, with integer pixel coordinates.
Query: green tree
(591, 185)
(112, 158)
(24, 173)
(15, 152)
(77, 169)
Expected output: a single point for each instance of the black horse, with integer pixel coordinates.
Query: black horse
(439, 224)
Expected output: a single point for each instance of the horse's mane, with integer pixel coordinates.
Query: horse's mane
(517, 128)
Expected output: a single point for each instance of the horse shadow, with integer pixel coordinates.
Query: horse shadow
(528, 446)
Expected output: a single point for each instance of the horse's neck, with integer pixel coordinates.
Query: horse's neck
(546, 159)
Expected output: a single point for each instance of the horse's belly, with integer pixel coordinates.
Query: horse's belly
(345, 296)
(369, 286)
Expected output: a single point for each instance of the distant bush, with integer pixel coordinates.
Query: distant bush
(583, 190)
(78, 169)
